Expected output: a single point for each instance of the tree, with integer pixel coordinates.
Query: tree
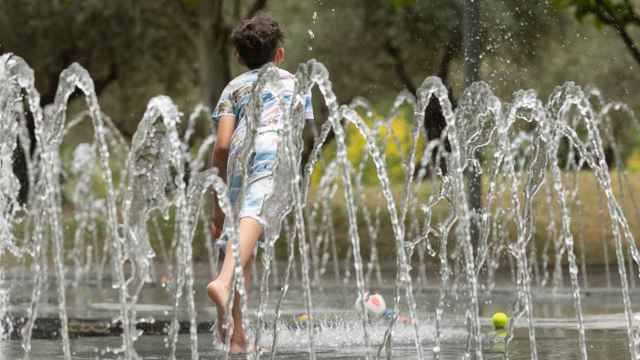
(619, 14)
(107, 38)
(472, 49)
(450, 42)
(136, 50)
(48, 43)
(205, 26)
(148, 47)
(421, 38)
(133, 50)
(449, 30)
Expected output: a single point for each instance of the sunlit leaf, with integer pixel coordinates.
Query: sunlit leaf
(561, 4)
(598, 24)
(399, 4)
(191, 4)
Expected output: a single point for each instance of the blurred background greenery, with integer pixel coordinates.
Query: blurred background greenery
(373, 48)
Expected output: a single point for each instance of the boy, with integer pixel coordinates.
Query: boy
(257, 42)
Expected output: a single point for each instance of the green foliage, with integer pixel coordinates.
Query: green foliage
(133, 50)
(394, 145)
(615, 13)
(146, 42)
(191, 4)
(399, 4)
(603, 11)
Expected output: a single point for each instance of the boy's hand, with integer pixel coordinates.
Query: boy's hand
(218, 223)
(216, 231)
(220, 157)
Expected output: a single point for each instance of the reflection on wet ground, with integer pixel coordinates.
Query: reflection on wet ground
(339, 335)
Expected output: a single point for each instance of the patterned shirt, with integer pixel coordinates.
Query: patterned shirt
(234, 101)
(237, 93)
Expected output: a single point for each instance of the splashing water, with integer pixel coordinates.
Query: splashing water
(534, 157)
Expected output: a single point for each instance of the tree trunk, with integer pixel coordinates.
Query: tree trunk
(213, 52)
(608, 15)
(472, 44)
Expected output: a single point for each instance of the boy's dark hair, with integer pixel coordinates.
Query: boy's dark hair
(257, 40)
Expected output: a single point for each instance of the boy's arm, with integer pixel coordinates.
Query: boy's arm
(220, 157)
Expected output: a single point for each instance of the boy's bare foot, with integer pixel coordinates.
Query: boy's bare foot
(237, 347)
(219, 294)
(240, 347)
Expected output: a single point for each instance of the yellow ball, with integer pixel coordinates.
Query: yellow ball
(499, 320)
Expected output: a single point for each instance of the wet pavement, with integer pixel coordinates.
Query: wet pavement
(92, 308)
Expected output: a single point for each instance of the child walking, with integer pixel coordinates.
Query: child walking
(257, 41)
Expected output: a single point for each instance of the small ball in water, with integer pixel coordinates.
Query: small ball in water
(499, 320)
(302, 317)
(373, 303)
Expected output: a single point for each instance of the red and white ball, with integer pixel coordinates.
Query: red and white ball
(373, 303)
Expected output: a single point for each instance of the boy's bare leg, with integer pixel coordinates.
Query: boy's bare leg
(238, 337)
(219, 290)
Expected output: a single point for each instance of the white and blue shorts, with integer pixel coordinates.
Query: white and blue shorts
(267, 196)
